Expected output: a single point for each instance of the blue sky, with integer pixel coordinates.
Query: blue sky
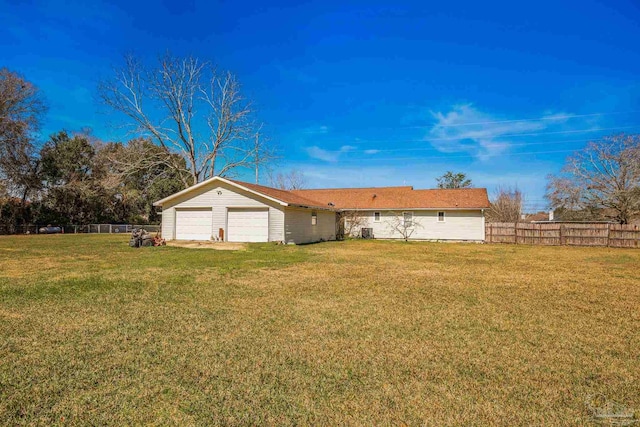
(365, 93)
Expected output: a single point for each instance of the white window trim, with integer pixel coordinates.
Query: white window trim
(314, 218)
(379, 217)
(444, 217)
(404, 219)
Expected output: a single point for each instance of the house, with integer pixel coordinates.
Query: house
(538, 217)
(399, 212)
(235, 211)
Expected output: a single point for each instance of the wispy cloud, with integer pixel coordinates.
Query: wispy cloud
(328, 155)
(371, 151)
(466, 129)
(315, 130)
(328, 175)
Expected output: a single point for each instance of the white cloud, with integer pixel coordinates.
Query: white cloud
(328, 155)
(466, 129)
(324, 175)
(316, 130)
(371, 151)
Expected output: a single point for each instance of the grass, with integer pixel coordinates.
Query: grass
(356, 332)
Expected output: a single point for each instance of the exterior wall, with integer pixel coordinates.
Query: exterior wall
(298, 227)
(458, 225)
(168, 224)
(293, 225)
(229, 197)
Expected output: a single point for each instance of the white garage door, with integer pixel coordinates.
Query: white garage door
(193, 224)
(248, 225)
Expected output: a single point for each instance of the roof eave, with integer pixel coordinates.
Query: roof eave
(416, 209)
(217, 178)
(322, 208)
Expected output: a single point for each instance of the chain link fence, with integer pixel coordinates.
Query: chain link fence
(77, 229)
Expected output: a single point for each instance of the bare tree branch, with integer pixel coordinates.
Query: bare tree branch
(402, 223)
(351, 223)
(600, 182)
(293, 180)
(191, 109)
(506, 205)
(21, 109)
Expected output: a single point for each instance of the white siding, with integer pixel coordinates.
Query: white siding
(168, 223)
(298, 227)
(458, 225)
(229, 197)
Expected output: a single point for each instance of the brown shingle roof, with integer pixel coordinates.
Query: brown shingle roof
(539, 216)
(398, 198)
(283, 195)
(404, 197)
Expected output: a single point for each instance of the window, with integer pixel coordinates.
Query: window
(314, 218)
(376, 217)
(440, 216)
(408, 219)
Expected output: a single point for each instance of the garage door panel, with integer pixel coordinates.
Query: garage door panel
(193, 224)
(248, 225)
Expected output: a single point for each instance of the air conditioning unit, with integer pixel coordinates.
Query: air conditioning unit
(367, 233)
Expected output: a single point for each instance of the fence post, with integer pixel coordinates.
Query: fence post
(515, 232)
(490, 233)
(561, 235)
(608, 233)
(539, 234)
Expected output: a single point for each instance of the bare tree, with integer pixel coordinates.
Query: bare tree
(402, 223)
(21, 104)
(603, 178)
(188, 107)
(351, 223)
(21, 109)
(141, 156)
(506, 205)
(293, 180)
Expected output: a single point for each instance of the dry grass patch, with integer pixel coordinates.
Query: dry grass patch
(359, 332)
(221, 246)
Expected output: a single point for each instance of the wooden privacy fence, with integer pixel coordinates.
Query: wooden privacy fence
(564, 233)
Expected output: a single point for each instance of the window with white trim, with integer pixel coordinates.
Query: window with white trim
(440, 216)
(314, 218)
(408, 218)
(376, 217)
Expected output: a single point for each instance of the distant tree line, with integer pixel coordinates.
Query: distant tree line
(189, 121)
(76, 179)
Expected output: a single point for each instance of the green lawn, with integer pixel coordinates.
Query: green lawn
(357, 332)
